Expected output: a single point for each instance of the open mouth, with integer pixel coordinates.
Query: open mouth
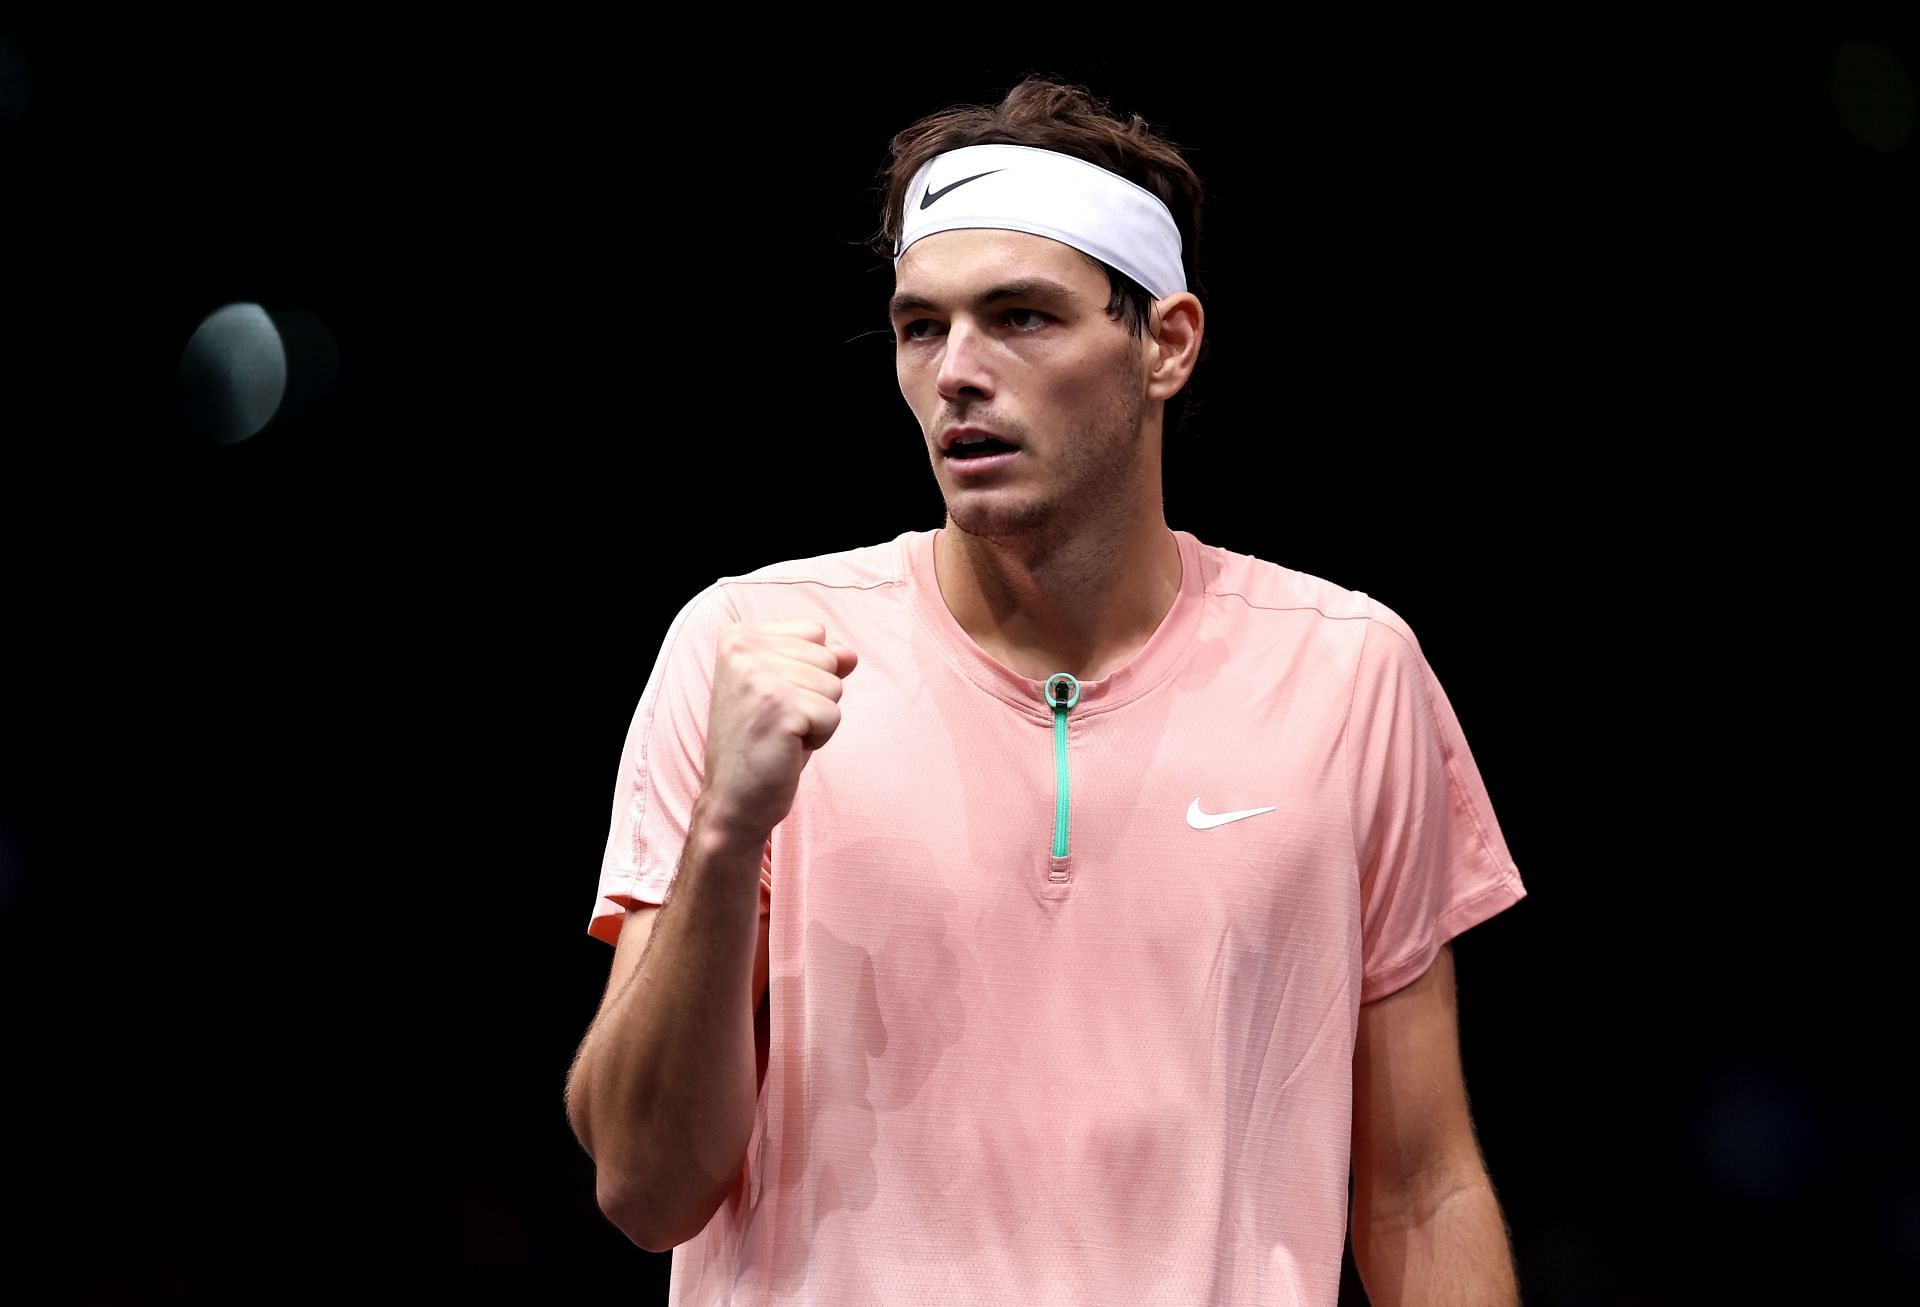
(981, 449)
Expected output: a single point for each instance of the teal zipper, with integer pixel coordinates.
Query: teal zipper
(1062, 692)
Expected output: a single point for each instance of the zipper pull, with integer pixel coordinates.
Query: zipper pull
(1062, 692)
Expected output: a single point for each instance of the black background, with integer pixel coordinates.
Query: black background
(1589, 351)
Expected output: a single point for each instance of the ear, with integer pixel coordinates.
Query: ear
(1173, 343)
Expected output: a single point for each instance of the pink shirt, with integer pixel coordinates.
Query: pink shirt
(1000, 1073)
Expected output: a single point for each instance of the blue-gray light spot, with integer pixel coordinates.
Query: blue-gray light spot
(233, 373)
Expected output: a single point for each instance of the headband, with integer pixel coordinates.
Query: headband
(1046, 193)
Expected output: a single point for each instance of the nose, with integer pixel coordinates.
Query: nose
(963, 364)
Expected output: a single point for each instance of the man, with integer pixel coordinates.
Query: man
(1105, 877)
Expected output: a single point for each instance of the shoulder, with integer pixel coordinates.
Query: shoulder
(874, 564)
(1262, 585)
(834, 580)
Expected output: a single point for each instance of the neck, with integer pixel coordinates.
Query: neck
(1083, 604)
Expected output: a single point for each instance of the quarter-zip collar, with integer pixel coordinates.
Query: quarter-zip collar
(1149, 665)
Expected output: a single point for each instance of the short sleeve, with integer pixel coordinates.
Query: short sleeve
(1431, 855)
(662, 766)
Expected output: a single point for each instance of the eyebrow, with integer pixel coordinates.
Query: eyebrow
(1027, 288)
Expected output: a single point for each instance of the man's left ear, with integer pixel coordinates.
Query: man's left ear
(1173, 343)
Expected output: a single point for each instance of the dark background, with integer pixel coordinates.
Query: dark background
(1590, 352)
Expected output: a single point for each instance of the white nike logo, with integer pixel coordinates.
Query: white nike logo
(1208, 820)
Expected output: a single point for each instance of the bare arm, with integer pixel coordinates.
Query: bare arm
(662, 1091)
(1449, 1248)
(1426, 1225)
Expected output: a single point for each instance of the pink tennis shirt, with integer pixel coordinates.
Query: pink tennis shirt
(1063, 997)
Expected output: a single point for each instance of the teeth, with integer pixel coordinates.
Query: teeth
(969, 440)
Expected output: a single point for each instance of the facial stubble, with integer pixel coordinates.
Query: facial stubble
(1094, 472)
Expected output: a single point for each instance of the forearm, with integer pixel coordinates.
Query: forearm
(1449, 1247)
(668, 1075)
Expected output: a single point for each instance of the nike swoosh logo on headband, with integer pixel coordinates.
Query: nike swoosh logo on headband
(931, 196)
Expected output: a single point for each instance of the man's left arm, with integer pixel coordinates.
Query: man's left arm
(1426, 1225)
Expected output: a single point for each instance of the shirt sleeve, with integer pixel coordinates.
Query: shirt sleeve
(1431, 855)
(662, 767)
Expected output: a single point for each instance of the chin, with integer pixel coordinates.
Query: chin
(999, 520)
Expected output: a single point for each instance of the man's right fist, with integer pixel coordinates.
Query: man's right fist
(776, 698)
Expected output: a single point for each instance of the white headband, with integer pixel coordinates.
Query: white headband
(1046, 193)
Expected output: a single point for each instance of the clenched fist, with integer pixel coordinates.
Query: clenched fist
(776, 698)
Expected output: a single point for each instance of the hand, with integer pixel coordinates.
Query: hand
(776, 698)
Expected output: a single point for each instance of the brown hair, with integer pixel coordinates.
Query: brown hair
(1054, 115)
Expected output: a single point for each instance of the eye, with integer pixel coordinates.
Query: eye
(909, 330)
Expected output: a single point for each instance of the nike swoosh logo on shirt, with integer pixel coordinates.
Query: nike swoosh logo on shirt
(928, 199)
(1208, 820)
